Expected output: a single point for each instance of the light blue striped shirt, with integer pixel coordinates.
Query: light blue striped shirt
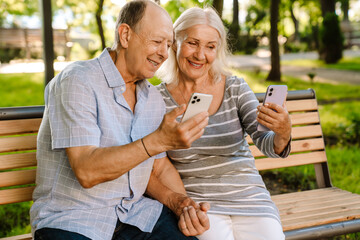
(84, 105)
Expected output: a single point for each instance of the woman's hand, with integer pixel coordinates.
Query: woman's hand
(277, 119)
(194, 220)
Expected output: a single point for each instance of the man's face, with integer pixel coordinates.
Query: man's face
(148, 46)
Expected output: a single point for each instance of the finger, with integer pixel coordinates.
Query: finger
(194, 219)
(182, 225)
(198, 130)
(204, 206)
(276, 107)
(172, 115)
(188, 221)
(197, 119)
(204, 219)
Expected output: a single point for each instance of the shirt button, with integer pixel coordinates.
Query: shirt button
(122, 89)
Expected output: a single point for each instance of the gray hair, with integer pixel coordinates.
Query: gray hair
(131, 14)
(169, 71)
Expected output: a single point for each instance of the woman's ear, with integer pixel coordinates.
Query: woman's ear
(124, 32)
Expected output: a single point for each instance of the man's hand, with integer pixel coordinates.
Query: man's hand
(194, 221)
(174, 135)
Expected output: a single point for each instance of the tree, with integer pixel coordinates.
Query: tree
(99, 23)
(218, 5)
(331, 39)
(275, 73)
(234, 26)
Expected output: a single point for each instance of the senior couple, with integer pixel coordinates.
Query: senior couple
(114, 161)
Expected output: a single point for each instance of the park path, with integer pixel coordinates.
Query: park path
(261, 61)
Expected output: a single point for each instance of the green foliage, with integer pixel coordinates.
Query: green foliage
(341, 123)
(331, 39)
(15, 219)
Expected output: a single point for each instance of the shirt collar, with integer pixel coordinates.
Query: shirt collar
(111, 73)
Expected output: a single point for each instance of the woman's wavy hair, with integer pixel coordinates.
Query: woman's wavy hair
(169, 71)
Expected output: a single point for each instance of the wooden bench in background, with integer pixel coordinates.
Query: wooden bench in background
(313, 214)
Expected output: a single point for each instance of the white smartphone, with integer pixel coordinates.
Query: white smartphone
(274, 94)
(199, 102)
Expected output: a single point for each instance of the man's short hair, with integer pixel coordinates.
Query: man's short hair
(131, 14)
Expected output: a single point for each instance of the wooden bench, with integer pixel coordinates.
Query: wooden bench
(326, 211)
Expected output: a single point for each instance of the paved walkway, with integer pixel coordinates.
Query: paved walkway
(261, 61)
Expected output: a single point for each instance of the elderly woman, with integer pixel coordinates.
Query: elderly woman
(219, 168)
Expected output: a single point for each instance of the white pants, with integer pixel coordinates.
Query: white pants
(227, 227)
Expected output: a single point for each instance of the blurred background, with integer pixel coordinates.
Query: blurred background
(300, 43)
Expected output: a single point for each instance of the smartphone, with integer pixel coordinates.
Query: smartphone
(199, 102)
(274, 94)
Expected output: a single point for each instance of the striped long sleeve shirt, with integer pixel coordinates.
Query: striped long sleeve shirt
(219, 167)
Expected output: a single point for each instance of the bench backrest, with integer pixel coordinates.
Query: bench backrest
(18, 128)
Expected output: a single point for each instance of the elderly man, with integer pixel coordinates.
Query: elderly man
(102, 130)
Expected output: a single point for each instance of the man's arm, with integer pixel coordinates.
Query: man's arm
(165, 185)
(93, 165)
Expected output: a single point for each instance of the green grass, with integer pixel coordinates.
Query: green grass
(21, 89)
(347, 63)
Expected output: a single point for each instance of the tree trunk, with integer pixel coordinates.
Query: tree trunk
(218, 5)
(275, 73)
(234, 27)
(345, 9)
(296, 23)
(327, 6)
(99, 23)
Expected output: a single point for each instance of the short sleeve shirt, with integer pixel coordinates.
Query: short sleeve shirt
(84, 105)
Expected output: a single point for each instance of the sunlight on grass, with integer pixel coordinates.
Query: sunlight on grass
(344, 64)
(21, 89)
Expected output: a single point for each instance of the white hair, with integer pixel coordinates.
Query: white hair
(169, 71)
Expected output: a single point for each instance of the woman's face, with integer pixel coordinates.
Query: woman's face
(197, 52)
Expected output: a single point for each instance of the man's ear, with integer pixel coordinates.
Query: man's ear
(124, 32)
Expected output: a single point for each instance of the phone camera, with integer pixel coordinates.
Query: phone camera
(198, 100)
(270, 94)
(195, 97)
(193, 101)
(271, 89)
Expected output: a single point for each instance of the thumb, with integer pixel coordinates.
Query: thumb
(177, 112)
(204, 206)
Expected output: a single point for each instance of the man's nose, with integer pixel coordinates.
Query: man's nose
(163, 50)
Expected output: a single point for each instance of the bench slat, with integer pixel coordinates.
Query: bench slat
(19, 237)
(300, 132)
(296, 146)
(16, 195)
(12, 127)
(321, 218)
(291, 161)
(304, 118)
(22, 143)
(318, 206)
(20, 160)
(15, 178)
(301, 105)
